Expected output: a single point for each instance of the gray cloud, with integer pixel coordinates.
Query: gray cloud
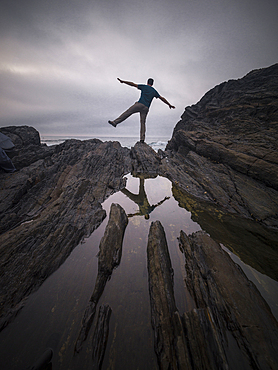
(60, 59)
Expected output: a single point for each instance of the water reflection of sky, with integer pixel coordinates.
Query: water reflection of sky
(128, 288)
(156, 201)
(52, 316)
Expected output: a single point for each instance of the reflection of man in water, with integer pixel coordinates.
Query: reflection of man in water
(141, 199)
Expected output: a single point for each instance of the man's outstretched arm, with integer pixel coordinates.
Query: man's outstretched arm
(128, 83)
(166, 102)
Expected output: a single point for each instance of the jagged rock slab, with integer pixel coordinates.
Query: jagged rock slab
(231, 327)
(110, 248)
(144, 160)
(22, 136)
(47, 208)
(203, 340)
(188, 342)
(169, 338)
(224, 149)
(109, 257)
(27, 146)
(247, 329)
(100, 336)
(256, 245)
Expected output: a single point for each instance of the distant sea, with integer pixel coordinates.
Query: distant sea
(156, 143)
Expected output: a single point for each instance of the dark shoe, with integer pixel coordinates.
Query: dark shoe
(112, 123)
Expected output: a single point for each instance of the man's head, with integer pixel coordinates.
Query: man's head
(150, 81)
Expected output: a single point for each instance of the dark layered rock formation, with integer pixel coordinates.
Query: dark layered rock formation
(224, 149)
(47, 208)
(242, 319)
(109, 257)
(101, 336)
(254, 242)
(170, 344)
(231, 328)
(27, 146)
(256, 245)
(144, 160)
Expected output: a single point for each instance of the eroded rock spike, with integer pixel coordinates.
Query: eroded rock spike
(100, 336)
(109, 257)
(170, 346)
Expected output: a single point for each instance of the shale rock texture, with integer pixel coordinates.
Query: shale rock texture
(224, 149)
(231, 327)
(48, 207)
(109, 257)
(169, 340)
(27, 146)
(247, 332)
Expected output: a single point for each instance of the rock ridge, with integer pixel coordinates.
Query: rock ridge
(48, 207)
(224, 148)
(231, 327)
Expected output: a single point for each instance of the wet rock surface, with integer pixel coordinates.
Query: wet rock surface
(255, 244)
(232, 327)
(47, 208)
(169, 342)
(224, 149)
(101, 336)
(109, 257)
(241, 317)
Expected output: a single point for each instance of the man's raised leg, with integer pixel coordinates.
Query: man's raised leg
(133, 109)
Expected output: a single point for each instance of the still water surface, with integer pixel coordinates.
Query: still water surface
(52, 316)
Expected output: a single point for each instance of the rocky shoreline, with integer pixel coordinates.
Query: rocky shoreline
(223, 164)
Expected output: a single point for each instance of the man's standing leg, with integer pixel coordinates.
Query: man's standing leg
(143, 115)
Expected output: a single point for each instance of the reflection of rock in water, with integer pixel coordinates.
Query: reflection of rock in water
(232, 326)
(109, 257)
(141, 200)
(256, 245)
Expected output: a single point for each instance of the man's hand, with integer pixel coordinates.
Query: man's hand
(166, 102)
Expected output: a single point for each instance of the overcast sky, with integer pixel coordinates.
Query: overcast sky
(60, 59)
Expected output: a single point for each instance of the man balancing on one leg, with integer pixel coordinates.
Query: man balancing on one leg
(142, 106)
